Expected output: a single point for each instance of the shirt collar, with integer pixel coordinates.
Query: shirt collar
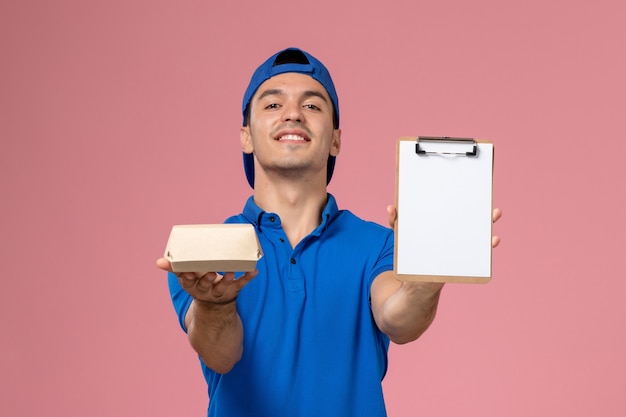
(257, 216)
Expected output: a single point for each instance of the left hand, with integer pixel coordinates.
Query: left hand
(496, 214)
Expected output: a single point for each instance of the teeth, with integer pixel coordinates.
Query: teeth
(292, 137)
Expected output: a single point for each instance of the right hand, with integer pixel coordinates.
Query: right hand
(210, 287)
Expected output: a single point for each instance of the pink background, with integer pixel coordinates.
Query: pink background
(120, 118)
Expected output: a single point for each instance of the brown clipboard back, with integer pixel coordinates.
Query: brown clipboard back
(444, 198)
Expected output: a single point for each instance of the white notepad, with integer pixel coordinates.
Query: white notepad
(444, 201)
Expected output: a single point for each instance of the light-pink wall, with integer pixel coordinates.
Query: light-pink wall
(120, 118)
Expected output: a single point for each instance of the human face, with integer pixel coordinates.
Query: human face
(290, 128)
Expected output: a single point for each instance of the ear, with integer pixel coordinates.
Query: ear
(335, 145)
(246, 140)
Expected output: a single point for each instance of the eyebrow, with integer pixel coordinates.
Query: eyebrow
(279, 92)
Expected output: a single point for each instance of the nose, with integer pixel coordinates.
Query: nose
(292, 112)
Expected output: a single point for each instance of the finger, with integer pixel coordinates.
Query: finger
(164, 264)
(207, 280)
(187, 280)
(392, 215)
(495, 241)
(223, 287)
(243, 280)
(247, 277)
(497, 213)
(228, 277)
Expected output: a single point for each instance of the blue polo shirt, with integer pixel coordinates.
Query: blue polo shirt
(311, 346)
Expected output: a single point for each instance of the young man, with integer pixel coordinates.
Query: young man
(307, 333)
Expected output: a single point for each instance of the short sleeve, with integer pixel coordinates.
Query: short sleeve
(384, 261)
(180, 298)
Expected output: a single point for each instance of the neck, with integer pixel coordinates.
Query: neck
(299, 205)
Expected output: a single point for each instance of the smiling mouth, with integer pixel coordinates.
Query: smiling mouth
(293, 138)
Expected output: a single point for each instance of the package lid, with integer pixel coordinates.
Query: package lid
(213, 248)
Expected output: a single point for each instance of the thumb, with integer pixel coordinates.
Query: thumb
(392, 215)
(164, 264)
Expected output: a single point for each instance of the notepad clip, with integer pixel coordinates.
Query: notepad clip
(446, 139)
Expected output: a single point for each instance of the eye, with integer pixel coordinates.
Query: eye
(272, 106)
(312, 107)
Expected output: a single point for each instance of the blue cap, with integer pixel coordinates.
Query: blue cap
(289, 60)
